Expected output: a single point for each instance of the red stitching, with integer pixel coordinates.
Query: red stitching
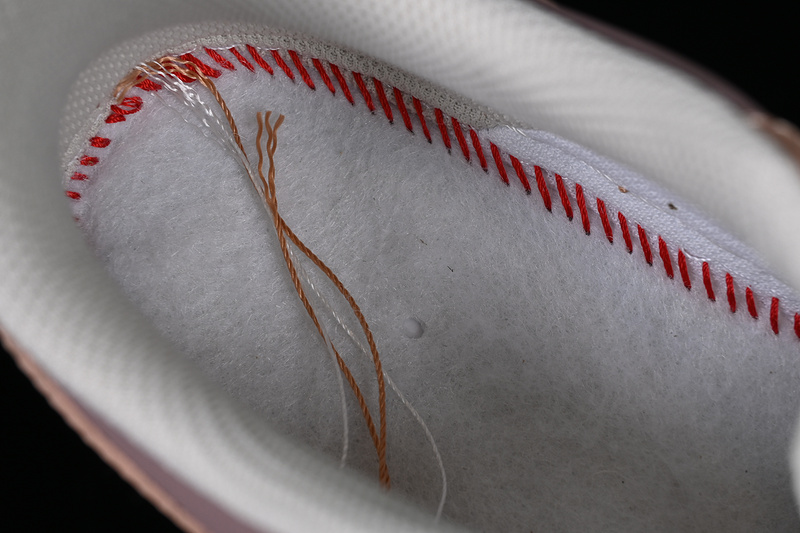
(542, 186)
(282, 64)
(648, 254)
(562, 193)
(476, 143)
(774, 308)
(243, 60)
(731, 293)
(259, 60)
(665, 258)
(601, 209)
(751, 302)
(684, 270)
(442, 127)
(148, 85)
(462, 141)
(498, 161)
(128, 106)
(401, 105)
(707, 282)
(324, 75)
(199, 66)
(582, 208)
(133, 104)
(387, 109)
(626, 233)
(421, 115)
(99, 142)
(302, 70)
(213, 54)
(364, 92)
(342, 83)
(520, 173)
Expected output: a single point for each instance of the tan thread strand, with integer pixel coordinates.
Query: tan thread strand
(270, 186)
(173, 65)
(365, 327)
(281, 228)
(127, 83)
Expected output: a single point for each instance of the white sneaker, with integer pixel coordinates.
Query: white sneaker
(587, 349)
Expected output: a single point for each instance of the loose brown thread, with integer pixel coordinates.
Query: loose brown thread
(179, 68)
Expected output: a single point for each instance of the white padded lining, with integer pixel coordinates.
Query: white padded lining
(545, 72)
(540, 71)
(55, 300)
(568, 384)
(655, 208)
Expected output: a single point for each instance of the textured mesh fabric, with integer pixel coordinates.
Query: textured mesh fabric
(60, 305)
(106, 71)
(550, 75)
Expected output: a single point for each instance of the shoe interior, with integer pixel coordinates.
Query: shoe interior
(585, 348)
(568, 384)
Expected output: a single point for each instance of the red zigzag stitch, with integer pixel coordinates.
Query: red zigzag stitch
(133, 104)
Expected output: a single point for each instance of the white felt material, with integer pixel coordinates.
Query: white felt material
(531, 66)
(656, 209)
(569, 385)
(56, 301)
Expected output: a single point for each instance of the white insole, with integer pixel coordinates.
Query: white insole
(569, 385)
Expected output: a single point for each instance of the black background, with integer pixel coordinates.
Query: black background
(53, 481)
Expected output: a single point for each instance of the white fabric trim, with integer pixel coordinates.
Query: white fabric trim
(648, 204)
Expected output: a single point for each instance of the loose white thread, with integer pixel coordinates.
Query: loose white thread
(394, 387)
(219, 130)
(329, 347)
